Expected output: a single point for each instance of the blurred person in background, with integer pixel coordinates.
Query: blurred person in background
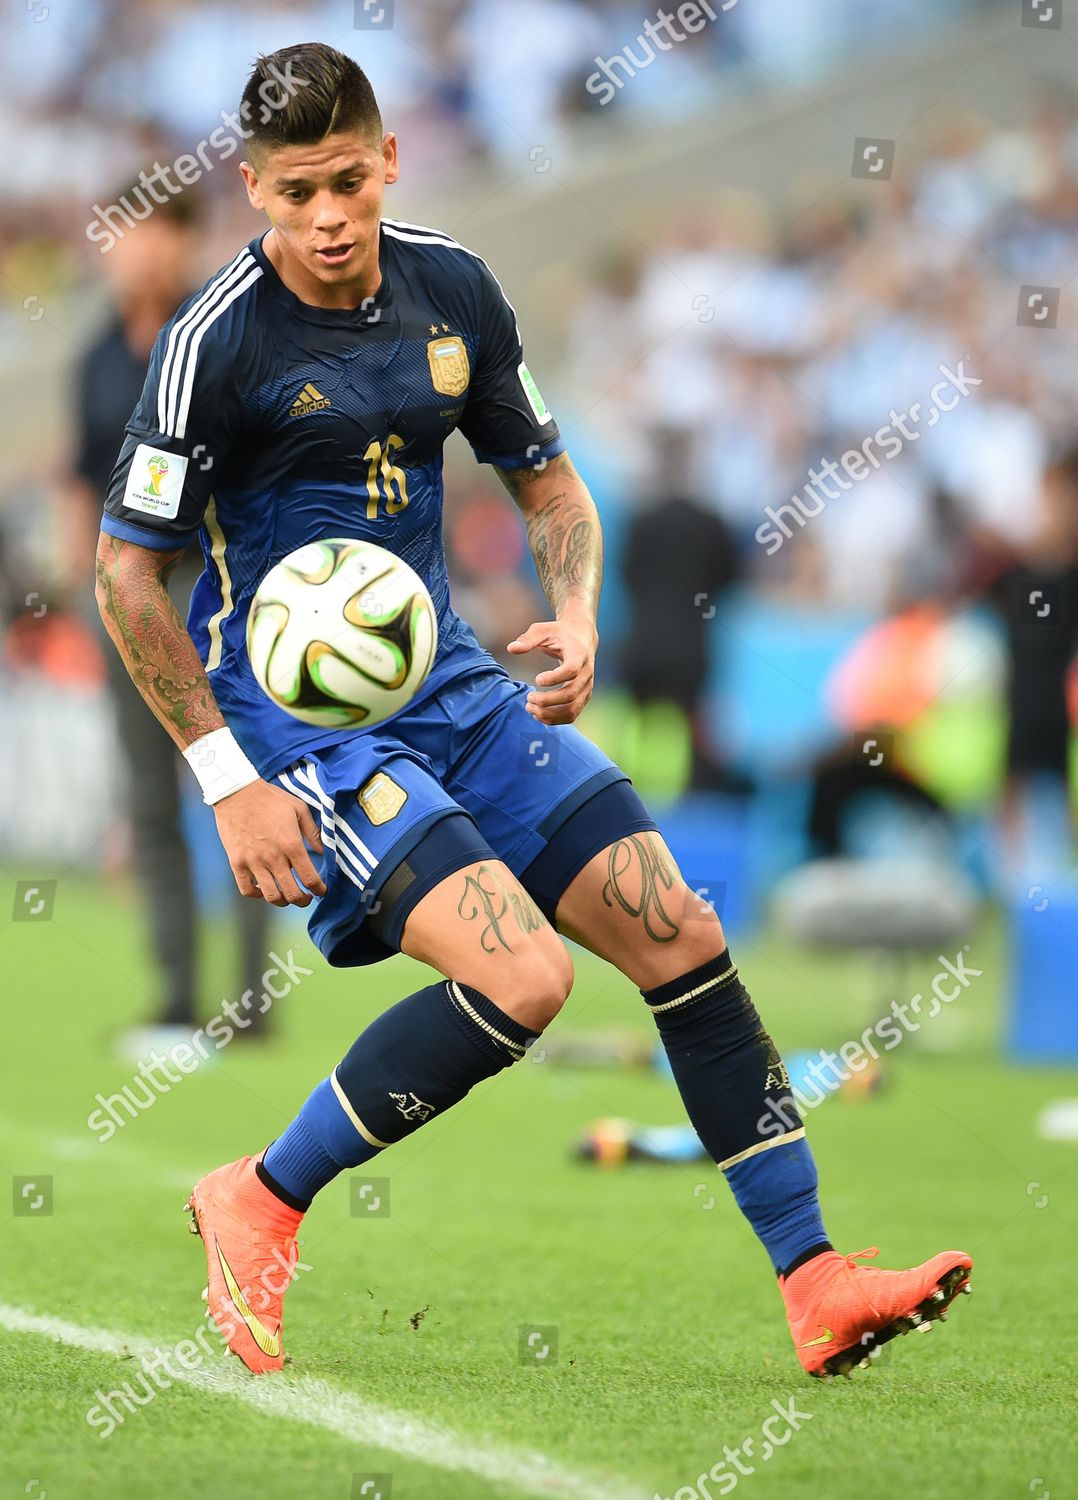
(1037, 595)
(150, 271)
(680, 559)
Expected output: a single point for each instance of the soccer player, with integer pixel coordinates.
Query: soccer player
(306, 393)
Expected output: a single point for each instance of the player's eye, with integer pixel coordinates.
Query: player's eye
(351, 185)
(295, 195)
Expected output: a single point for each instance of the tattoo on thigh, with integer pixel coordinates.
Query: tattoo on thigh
(486, 898)
(526, 914)
(638, 873)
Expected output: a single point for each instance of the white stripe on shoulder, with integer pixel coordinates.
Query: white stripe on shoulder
(199, 334)
(419, 234)
(169, 366)
(394, 225)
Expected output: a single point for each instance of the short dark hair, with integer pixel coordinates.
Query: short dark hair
(299, 95)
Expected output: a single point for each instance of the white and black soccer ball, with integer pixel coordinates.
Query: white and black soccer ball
(341, 632)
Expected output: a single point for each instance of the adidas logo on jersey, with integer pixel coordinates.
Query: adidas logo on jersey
(309, 399)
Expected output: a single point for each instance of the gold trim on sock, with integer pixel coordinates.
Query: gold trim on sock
(470, 1011)
(778, 1140)
(719, 979)
(372, 1140)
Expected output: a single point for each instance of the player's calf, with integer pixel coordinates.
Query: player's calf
(413, 1062)
(631, 905)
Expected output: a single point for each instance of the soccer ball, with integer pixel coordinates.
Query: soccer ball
(341, 633)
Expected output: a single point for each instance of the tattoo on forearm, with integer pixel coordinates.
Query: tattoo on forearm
(152, 639)
(567, 545)
(486, 898)
(564, 533)
(638, 873)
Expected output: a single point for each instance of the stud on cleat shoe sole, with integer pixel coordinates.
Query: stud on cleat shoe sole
(932, 1309)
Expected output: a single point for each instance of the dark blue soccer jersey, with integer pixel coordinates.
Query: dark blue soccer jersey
(266, 423)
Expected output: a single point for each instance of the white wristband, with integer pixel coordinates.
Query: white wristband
(220, 765)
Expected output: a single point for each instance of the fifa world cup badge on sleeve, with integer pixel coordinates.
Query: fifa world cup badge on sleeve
(155, 482)
(534, 394)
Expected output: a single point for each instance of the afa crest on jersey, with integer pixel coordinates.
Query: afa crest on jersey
(449, 370)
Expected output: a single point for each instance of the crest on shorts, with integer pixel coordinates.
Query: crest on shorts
(449, 369)
(381, 798)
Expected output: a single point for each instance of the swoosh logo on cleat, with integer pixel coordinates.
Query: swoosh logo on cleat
(269, 1343)
(824, 1338)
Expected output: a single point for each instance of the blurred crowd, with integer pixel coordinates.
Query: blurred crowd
(767, 347)
(95, 88)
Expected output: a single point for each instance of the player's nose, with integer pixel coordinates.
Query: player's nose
(327, 213)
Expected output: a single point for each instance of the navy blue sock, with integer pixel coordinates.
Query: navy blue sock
(415, 1060)
(737, 1094)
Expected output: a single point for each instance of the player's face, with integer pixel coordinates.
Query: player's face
(325, 203)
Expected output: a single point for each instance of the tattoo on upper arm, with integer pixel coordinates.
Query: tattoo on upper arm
(516, 481)
(132, 590)
(486, 898)
(638, 873)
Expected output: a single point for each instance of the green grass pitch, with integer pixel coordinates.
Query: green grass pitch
(671, 1339)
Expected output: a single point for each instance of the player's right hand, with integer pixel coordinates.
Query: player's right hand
(265, 830)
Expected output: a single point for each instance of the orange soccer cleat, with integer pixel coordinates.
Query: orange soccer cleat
(840, 1314)
(250, 1240)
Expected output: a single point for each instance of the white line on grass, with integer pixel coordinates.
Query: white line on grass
(317, 1404)
(69, 1146)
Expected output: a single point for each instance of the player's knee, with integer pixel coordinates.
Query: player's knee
(537, 983)
(699, 938)
(701, 934)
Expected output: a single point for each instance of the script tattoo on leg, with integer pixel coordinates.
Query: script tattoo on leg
(486, 898)
(638, 875)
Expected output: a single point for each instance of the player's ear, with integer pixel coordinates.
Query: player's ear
(250, 182)
(389, 155)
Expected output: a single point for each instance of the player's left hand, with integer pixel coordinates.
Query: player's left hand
(560, 695)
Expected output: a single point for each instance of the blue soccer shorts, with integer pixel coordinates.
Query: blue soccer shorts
(467, 774)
